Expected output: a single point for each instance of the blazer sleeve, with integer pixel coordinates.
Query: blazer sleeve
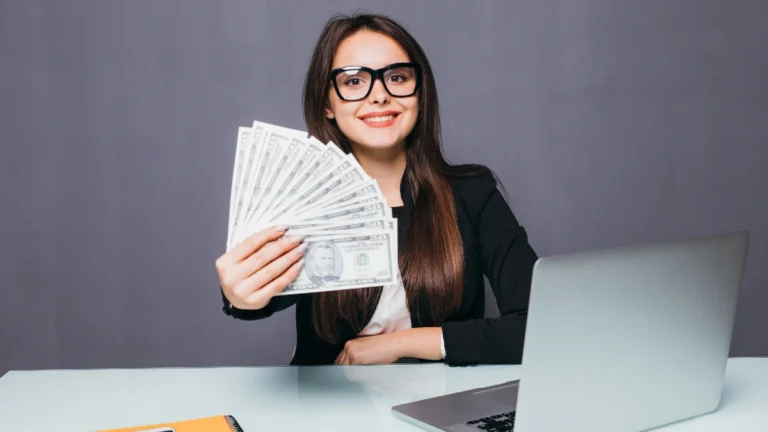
(277, 304)
(508, 261)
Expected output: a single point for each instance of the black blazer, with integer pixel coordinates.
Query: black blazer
(495, 245)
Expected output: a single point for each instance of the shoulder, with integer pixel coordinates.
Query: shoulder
(477, 196)
(472, 185)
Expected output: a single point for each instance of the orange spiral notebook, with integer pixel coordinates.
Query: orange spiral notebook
(221, 423)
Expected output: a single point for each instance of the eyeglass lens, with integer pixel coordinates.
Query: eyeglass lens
(355, 83)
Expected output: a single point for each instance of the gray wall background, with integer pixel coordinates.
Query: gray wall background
(609, 122)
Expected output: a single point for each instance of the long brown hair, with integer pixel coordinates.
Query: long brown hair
(432, 260)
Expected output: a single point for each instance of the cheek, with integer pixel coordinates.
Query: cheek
(413, 109)
(411, 105)
(346, 119)
(347, 110)
(340, 109)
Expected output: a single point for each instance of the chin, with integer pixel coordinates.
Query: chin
(376, 144)
(382, 138)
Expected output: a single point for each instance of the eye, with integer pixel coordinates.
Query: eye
(353, 82)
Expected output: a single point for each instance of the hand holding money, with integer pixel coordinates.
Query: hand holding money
(259, 267)
(285, 177)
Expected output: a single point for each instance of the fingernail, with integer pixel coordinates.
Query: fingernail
(301, 248)
(296, 239)
(281, 228)
(300, 264)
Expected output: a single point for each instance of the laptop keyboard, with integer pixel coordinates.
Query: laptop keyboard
(504, 422)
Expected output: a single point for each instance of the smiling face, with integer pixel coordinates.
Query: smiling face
(379, 121)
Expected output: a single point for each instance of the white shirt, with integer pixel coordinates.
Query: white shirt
(392, 313)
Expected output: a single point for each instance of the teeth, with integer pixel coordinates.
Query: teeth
(379, 119)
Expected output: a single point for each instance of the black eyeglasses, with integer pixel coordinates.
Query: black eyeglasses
(353, 83)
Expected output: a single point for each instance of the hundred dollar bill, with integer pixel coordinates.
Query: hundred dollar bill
(358, 203)
(253, 190)
(338, 179)
(283, 176)
(328, 180)
(331, 156)
(346, 262)
(350, 212)
(328, 159)
(353, 211)
(356, 225)
(355, 193)
(329, 227)
(251, 152)
(244, 135)
(296, 173)
(275, 146)
(295, 156)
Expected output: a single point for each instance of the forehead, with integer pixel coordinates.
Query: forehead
(367, 48)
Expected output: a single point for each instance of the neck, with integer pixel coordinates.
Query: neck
(387, 168)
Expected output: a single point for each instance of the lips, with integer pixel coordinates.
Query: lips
(380, 119)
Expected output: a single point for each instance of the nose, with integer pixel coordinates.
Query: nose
(378, 92)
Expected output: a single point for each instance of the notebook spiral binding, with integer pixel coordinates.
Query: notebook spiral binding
(233, 425)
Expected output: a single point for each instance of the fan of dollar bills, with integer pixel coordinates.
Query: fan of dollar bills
(284, 176)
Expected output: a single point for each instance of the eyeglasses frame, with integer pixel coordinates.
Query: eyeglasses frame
(375, 74)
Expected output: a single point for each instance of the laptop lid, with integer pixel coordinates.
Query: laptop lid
(629, 338)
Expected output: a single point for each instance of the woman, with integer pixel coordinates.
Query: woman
(370, 90)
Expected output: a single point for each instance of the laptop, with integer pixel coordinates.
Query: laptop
(620, 339)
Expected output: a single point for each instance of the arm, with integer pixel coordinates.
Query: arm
(276, 304)
(508, 263)
(422, 342)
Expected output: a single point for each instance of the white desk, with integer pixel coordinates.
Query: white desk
(289, 398)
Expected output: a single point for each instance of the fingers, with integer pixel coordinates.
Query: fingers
(260, 297)
(234, 273)
(277, 272)
(342, 359)
(267, 254)
(237, 267)
(276, 267)
(345, 357)
(252, 243)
